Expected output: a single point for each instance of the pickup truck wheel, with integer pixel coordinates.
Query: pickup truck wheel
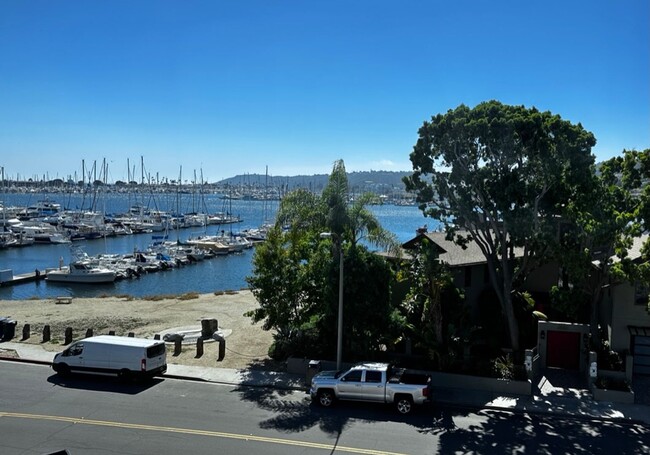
(404, 405)
(326, 398)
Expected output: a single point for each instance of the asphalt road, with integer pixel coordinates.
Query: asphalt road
(41, 413)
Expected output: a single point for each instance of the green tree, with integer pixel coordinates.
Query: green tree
(603, 227)
(500, 176)
(628, 177)
(435, 318)
(295, 273)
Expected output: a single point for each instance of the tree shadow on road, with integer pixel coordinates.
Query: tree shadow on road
(500, 432)
(455, 429)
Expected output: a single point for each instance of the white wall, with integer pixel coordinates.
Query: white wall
(625, 313)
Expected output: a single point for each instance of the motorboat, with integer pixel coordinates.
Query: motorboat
(81, 272)
(210, 243)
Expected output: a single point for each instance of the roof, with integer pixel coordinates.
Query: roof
(121, 341)
(449, 252)
(634, 252)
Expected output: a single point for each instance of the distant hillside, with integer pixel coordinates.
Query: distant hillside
(359, 181)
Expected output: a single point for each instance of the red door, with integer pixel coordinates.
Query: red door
(563, 350)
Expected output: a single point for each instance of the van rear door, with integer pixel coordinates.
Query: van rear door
(155, 357)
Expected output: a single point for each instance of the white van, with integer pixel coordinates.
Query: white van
(125, 357)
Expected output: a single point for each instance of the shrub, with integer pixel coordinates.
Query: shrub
(503, 367)
(612, 384)
(189, 296)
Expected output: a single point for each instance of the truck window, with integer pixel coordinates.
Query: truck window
(155, 351)
(373, 376)
(352, 376)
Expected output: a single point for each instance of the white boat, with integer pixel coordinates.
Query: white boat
(81, 272)
(50, 237)
(210, 243)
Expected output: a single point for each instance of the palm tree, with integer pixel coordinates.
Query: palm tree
(352, 221)
(296, 281)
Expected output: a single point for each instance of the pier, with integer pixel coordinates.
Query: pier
(7, 277)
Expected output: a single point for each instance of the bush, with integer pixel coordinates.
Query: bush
(297, 343)
(610, 360)
(189, 296)
(503, 367)
(613, 384)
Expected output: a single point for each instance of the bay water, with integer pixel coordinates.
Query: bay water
(221, 273)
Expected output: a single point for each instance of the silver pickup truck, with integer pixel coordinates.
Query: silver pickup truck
(376, 382)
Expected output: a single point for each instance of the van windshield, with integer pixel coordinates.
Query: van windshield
(155, 351)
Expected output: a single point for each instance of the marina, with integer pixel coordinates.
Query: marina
(213, 274)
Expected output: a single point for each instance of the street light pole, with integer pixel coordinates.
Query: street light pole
(339, 339)
(339, 334)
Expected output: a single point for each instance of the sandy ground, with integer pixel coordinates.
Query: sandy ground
(246, 344)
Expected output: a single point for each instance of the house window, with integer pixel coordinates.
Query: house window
(468, 277)
(641, 292)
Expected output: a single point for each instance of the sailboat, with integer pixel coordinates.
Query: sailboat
(259, 234)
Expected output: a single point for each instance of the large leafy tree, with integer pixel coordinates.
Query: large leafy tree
(295, 272)
(594, 247)
(501, 176)
(627, 179)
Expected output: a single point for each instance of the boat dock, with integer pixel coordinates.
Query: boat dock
(7, 277)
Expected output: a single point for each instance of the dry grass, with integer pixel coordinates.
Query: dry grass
(146, 317)
(189, 296)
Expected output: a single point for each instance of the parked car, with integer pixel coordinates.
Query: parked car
(374, 382)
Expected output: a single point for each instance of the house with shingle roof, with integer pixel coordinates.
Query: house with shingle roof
(470, 270)
(623, 310)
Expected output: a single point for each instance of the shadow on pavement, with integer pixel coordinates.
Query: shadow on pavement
(503, 432)
(102, 383)
(460, 430)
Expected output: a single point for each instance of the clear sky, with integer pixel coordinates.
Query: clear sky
(230, 87)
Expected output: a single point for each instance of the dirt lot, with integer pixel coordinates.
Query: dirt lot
(246, 344)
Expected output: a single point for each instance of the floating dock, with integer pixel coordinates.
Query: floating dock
(7, 277)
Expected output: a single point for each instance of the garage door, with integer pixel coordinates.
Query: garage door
(641, 353)
(563, 350)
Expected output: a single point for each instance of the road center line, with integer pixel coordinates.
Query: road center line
(216, 434)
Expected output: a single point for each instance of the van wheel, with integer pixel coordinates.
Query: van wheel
(325, 398)
(124, 375)
(404, 404)
(62, 369)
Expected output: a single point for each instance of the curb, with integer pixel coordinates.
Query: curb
(174, 376)
(21, 360)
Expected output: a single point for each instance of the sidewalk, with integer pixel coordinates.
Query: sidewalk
(572, 403)
(584, 406)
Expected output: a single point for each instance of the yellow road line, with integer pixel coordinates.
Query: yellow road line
(216, 434)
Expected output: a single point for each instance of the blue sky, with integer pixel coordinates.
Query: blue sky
(230, 87)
